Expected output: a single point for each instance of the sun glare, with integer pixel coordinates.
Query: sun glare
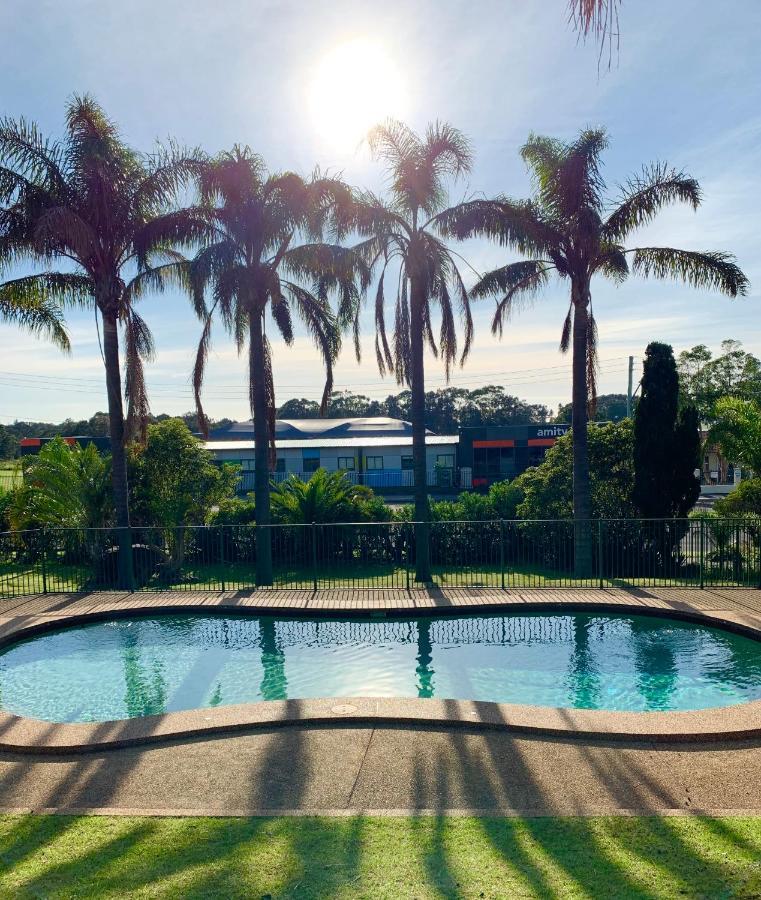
(355, 86)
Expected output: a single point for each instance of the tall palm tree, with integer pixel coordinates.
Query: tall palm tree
(402, 231)
(262, 253)
(568, 229)
(100, 210)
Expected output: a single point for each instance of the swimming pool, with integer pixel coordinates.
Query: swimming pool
(138, 666)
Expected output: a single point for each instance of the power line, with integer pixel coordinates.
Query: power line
(510, 376)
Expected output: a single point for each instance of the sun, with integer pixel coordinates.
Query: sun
(353, 87)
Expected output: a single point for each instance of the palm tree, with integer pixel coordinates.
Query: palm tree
(326, 497)
(253, 262)
(403, 231)
(568, 229)
(102, 210)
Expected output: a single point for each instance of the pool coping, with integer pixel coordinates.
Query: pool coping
(26, 735)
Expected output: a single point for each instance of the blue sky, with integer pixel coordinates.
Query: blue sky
(685, 88)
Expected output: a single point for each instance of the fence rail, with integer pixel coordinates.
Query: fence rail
(497, 553)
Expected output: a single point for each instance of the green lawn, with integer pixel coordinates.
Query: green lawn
(10, 474)
(20, 578)
(372, 857)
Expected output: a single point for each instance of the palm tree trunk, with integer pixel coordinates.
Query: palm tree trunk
(258, 392)
(118, 454)
(582, 499)
(417, 414)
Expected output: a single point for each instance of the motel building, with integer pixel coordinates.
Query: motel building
(376, 452)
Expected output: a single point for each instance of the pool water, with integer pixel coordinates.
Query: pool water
(139, 666)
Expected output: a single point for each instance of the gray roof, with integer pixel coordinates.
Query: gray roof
(319, 429)
(431, 440)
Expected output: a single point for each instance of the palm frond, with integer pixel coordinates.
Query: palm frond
(158, 278)
(565, 334)
(320, 322)
(517, 224)
(612, 262)
(24, 149)
(269, 395)
(644, 196)
(592, 365)
(597, 17)
(180, 228)
(520, 282)
(199, 367)
(401, 336)
(138, 347)
(38, 316)
(711, 270)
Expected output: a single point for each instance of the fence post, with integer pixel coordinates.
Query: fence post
(44, 561)
(599, 552)
(702, 553)
(502, 552)
(222, 556)
(314, 557)
(406, 554)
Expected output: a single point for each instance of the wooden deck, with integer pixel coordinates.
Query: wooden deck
(735, 602)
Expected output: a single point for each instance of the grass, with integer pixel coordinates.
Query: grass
(22, 578)
(10, 474)
(376, 857)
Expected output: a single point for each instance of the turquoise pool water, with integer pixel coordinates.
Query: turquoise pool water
(135, 667)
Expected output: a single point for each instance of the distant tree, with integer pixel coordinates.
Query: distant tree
(744, 500)
(299, 409)
(569, 230)
(548, 487)
(346, 404)
(609, 408)
(8, 443)
(704, 379)
(175, 483)
(666, 441)
(737, 430)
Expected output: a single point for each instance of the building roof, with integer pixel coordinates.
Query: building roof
(329, 443)
(318, 429)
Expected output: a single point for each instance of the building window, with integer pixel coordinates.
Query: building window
(280, 465)
(247, 465)
(493, 461)
(346, 462)
(408, 463)
(373, 463)
(310, 459)
(445, 461)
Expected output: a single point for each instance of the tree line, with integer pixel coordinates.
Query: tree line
(103, 226)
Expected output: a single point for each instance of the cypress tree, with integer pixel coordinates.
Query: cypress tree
(666, 441)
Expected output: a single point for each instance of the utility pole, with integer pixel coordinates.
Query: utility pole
(630, 388)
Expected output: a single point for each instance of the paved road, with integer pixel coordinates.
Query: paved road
(385, 769)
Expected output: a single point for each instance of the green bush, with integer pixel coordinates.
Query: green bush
(745, 499)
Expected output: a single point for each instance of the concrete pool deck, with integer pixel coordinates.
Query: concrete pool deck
(340, 767)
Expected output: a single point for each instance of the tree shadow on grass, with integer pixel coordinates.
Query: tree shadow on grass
(591, 856)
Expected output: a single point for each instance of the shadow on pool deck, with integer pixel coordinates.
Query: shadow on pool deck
(430, 772)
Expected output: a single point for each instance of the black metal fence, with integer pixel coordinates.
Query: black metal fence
(506, 554)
